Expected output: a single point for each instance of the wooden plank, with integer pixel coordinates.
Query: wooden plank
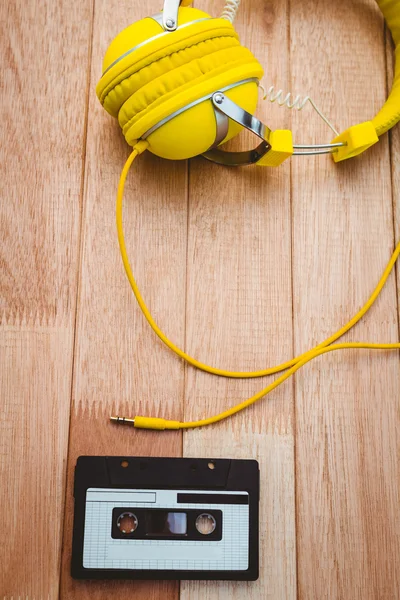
(395, 151)
(394, 139)
(120, 365)
(347, 418)
(394, 145)
(43, 104)
(239, 315)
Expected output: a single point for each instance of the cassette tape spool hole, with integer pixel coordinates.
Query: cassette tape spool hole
(205, 524)
(127, 522)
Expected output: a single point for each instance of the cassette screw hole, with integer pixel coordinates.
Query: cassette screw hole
(127, 522)
(205, 524)
(193, 467)
(211, 465)
(124, 464)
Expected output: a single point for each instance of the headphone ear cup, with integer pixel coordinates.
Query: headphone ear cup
(144, 44)
(193, 131)
(168, 73)
(161, 88)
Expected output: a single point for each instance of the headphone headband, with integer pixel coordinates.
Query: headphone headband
(359, 138)
(389, 114)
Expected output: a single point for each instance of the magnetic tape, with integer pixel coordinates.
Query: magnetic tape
(165, 518)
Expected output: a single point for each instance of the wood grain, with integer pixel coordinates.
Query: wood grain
(245, 268)
(394, 146)
(347, 418)
(120, 365)
(43, 103)
(239, 315)
(394, 138)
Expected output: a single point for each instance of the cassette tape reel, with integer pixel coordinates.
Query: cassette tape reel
(165, 518)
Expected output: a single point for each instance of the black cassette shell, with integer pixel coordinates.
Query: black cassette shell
(124, 472)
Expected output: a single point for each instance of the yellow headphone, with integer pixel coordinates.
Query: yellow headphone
(181, 85)
(182, 81)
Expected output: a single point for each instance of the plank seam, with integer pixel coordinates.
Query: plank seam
(294, 416)
(186, 366)
(78, 275)
(389, 77)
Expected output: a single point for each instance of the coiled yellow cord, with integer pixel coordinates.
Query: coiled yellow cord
(290, 366)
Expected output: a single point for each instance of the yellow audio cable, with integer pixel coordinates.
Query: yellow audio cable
(290, 366)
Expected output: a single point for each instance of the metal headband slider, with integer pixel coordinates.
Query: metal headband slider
(226, 109)
(170, 14)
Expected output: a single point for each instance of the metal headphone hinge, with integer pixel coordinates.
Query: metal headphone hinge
(230, 110)
(170, 14)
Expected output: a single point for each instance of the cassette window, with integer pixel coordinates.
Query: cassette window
(163, 522)
(191, 524)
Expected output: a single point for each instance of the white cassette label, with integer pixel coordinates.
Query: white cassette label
(102, 551)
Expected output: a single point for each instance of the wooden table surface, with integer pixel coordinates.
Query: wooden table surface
(244, 268)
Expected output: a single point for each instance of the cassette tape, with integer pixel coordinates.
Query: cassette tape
(165, 518)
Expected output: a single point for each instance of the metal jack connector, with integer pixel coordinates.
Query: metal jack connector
(123, 420)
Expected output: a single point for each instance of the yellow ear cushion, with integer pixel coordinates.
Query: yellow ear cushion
(159, 47)
(138, 80)
(177, 80)
(202, 87)
(138, 32)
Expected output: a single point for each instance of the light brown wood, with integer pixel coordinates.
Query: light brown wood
(394, 137)
(43, 103)
(347, 419)
(120, 365)
(243, 267)
(395, 167)
(239, 316)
